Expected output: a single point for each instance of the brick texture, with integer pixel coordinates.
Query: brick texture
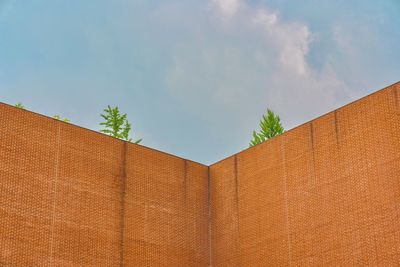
(326, 193)
(74, 197)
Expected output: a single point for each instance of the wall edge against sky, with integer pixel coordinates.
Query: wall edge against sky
(316, 118)
(170, 154)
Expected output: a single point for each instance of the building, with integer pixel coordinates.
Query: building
(325, 193)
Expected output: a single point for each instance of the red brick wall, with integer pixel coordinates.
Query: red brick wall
(73, 197)
(326, 193)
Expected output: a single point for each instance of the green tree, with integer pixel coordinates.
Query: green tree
(58, 117)
(116, 124)
(270, 126)
(19, 105)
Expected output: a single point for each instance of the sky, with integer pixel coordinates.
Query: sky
(196, 76)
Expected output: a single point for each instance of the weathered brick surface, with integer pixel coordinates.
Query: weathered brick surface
(326, 193)
(166, 210)
(73, 197)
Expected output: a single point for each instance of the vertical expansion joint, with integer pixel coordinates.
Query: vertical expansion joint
(184, 181)
(122, 200)
(312, 135)
(286, 202)
(236, 181)
(209, 215)
(396, 89)
(237, 204)
(336, 127)
(53, 213)
(313, 148)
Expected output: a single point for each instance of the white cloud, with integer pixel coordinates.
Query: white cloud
(293, 39)
(227, 7)
(238, 68)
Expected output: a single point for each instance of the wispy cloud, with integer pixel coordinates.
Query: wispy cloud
(253, 61)
(227, 7)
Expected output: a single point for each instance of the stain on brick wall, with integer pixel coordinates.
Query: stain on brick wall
(326, 193)
(74, 197)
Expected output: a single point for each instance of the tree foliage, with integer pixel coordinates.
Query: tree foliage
(19, 105)
(116, 124)
(58, 117)
(270, 126)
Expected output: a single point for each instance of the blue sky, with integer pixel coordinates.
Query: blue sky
(195, 76)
